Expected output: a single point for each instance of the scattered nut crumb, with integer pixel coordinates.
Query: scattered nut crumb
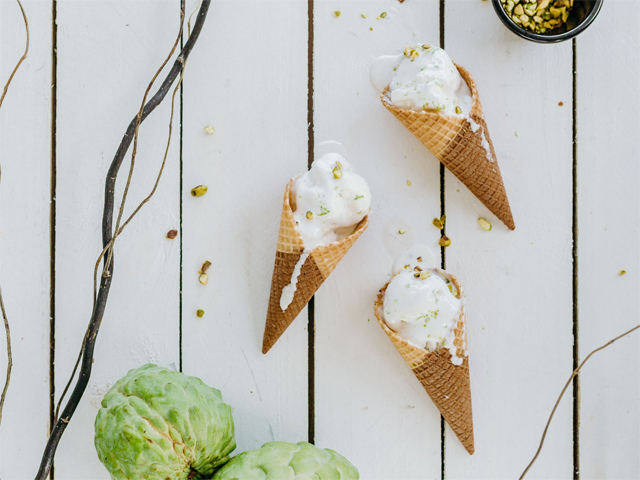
(363, 15)
(203, 278)
(560, 104)
(171, 234)
(402, 231)
(199, 191)
(205, 267)
(370, 28)
(200, 313)
(383, 15)
(485, 224)
(337, 13)
(622, 272)
(408, 183)
(516, 134)
(445, 241)
(209, 129)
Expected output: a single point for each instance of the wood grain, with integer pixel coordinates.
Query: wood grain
(518, 283)
(608, 219)
(107, 54)
(25, 143)
(247, 79)
(369, 406)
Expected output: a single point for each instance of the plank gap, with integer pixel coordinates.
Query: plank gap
(180, 180)
(443, 259)
(52, 222)
(574, 259)
(311, 326)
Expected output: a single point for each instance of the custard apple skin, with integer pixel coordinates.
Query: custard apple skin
(288, 461)
(157, 424)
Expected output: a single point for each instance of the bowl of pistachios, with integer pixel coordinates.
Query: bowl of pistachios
(547, 21)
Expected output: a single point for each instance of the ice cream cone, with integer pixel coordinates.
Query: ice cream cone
(458, 144)
(316, 269)
(447, 384)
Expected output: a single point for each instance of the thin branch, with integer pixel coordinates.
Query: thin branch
(108, 235)
(4, 313)
(22, 59)
(575, 372)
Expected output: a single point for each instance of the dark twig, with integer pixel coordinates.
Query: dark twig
(4, 313)
(575, 372)
(107, 236)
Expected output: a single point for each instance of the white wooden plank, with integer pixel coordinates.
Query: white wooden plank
(369, 406)
(518, 284)
(25, 145)
(608, 218)
(107, 53)
(248, 79)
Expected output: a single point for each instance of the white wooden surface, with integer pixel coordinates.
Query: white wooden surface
(247, 77)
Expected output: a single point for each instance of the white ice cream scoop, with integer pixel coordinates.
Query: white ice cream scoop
(424, 79)
(329, 201)
(422, 305)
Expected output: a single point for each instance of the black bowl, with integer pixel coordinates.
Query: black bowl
(581, 16)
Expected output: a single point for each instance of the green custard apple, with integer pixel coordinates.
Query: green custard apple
(288, 461)
(157, 424)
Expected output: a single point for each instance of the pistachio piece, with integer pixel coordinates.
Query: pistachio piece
(407, 51)
(337, 173)
(309, 215)
(484, 223)
(426, 46)
(203, 278)
(417, 274)
(171, 234)
(417, 269)
(337, 13)
(199, 313)
(402, 231)
(209, 129)
(518, 10)
(408, 183)
(622, 272)
(445, 241)
(363, 15)
(425, 275)
(199, 191)
(383, 15)
(458, 110)
(205, 267)
(339, 165)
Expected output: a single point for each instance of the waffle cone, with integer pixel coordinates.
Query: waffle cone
(447, 384)
(317, 267)
(452, 140)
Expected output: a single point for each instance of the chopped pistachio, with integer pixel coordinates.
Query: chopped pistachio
(370, 28)
(408, 183)
(205, 267)
(407, 51)
(383, 15)
(438, 224)
(337, 13)
(363, 15)
(424, 275)
(538, 16)
(309, 215)
(199, 191)
(426, 46)
(419, 259)
(339, 165)
(417, 274)
(560, 104)
(402, 231)
(622, 272)
(171, 234)
(203, 278)
(445, 241)
(484, 223)
(417, 269)
(200, 313)
(458, 110)
(209, 129)
(337, 173)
